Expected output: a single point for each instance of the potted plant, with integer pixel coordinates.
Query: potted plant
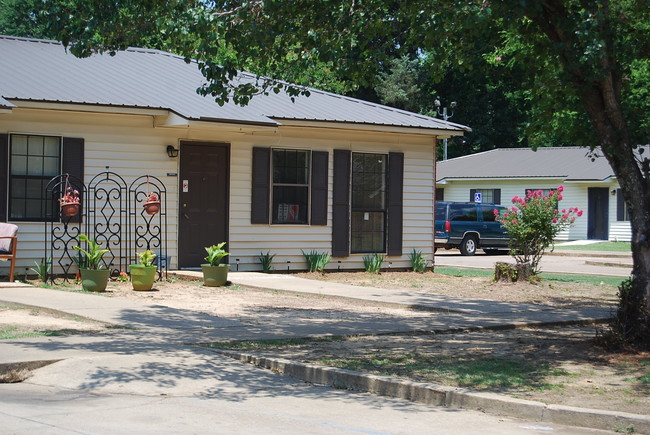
(215, 274)
(69, 202)
(151, 203)
(143, 274)
(93, 276)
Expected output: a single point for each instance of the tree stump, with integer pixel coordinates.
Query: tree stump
(512, 272)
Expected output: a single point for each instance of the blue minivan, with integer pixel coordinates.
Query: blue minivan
(470, 226)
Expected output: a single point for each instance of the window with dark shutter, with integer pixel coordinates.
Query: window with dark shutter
(33, 161)
(395, 203)
(622, 213)
(73, 164)
(260, 188)
(341, 204)
(4, 174)
(319, 160)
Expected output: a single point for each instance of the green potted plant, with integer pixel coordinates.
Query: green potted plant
(143, 274)
(93, 276)
(215, 274)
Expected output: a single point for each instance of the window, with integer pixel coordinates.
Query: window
(368, 214)
(622, 212)
(290, 186)
(488, 196)
(34, 160)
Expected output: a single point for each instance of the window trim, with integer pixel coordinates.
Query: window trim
(272, 186)
(10, 176)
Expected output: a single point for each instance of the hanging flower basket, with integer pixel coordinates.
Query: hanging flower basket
(69, 202)
(70, 209)
(151, 204)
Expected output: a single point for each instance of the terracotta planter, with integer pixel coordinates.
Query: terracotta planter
(94, 280)
(143, 277)
(70, 209)
(151, 207)
(215, 276)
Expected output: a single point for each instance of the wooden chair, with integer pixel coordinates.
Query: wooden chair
(8, 244)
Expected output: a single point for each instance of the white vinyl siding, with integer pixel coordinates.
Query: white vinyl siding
(131, 146)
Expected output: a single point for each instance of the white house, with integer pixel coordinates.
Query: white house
(501, 174)
(326, 172)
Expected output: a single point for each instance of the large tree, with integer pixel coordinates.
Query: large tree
(583, 60)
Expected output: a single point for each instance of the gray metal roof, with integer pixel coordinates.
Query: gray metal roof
(40, 70)
(568, 163)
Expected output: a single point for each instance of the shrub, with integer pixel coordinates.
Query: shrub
(534, 222)
(267, 261)
(418, 262)
(372, 263)
(316, 261)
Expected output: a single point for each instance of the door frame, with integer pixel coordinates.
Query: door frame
(213, 144)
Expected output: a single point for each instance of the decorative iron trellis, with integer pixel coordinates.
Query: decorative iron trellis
(107, 218)
(112, 214)
(148, 231)
(61, 233)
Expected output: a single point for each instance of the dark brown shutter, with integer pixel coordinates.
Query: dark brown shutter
(440, 194)
(73, 164)
(472, 192)
(4, 175)
(319, 166)
(395, 201)
(260, 179)
(620, 205)
(496, 195)
(341, 204)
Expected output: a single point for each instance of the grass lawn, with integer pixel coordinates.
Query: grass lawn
(603, 246)
(562, 277)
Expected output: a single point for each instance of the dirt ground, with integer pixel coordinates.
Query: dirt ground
(579, 373)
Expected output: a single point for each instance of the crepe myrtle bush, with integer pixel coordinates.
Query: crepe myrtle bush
(534, 222)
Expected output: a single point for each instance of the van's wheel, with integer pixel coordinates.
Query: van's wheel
(468, 246)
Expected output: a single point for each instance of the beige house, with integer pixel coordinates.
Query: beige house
(501, 174)
(326, 172)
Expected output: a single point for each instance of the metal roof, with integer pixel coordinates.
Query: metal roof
(567, 163)
(40, 70)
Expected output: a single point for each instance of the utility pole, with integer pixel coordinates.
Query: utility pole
(442, 111)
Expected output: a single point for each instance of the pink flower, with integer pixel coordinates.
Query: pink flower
(563, 210)
(579, 213)
(559, 197)
(565, 216)
(514, 221)
(554, 220)
(496, 212)
(505, 215)
(498, 58)
(560, 188)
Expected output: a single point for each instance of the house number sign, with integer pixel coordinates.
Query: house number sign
(186, 186)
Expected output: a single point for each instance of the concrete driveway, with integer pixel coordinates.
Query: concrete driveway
(579, 262)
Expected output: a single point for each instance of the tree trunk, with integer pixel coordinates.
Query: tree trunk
(600, 93)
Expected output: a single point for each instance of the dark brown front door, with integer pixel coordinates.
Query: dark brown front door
(597, 213)
(203, 199)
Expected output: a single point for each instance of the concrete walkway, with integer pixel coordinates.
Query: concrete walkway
(149, 355)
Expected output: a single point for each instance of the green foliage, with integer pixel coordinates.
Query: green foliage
(372, 263)
(316, 261)
(267, 261)
(630, 327)
(533, 223)
(91, 258)
(43, 268)
(418, 262)
(215, 254)
(147, 257)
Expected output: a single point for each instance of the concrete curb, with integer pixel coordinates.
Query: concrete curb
(449, 397)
